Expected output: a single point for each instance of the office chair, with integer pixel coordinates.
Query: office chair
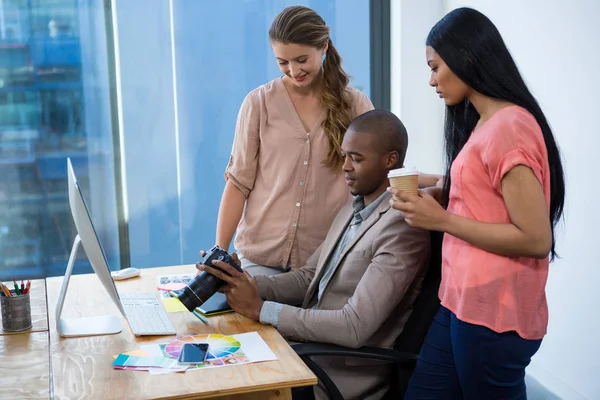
(407, 346)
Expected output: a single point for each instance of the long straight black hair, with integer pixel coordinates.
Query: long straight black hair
(471, 46)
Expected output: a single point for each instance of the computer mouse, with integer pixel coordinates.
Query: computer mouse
(125, 274)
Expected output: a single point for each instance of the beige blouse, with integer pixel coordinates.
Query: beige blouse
(292, 197)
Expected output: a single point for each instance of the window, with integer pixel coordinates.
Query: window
(143, 97)
(52, 81)
(185, 68)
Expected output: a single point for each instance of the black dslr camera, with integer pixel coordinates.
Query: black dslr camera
(204, 285)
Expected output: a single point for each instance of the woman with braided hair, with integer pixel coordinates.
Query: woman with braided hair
(284, 181)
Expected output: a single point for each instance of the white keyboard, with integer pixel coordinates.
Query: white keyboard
(145, 314)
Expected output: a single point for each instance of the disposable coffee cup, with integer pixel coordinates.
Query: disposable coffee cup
(404, 179)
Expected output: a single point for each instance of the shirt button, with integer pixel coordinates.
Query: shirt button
(298, 204)
(294, 224)
(305, 162)
(307, 140)
(301, 183)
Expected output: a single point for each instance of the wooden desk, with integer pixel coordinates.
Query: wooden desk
(39, 309)
(24, 366)
(82, 366)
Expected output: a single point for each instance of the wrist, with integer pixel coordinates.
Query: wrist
(447, 222)
(224, 244)
(257, 310)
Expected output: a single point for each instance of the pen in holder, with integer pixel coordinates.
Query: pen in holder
(16, 312)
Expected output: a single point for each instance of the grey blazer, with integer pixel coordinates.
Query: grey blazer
(366, 302)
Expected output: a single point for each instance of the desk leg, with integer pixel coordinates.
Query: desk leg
(277, 394)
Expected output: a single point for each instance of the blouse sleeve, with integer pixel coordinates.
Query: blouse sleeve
(360, 103)
(517, 141)
(241, 170)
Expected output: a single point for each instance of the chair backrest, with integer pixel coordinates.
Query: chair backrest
(425, 307)
(427, 303)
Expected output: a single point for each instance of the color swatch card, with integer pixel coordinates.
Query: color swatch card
(133, 353)
(124, 360)
(223, 351)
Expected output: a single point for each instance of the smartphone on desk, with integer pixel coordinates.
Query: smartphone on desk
(193, 353)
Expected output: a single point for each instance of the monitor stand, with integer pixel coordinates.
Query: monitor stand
(84, 326)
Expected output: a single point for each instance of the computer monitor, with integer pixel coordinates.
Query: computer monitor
(86, 235)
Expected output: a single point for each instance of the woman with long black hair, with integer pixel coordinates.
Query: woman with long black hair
(503, 195)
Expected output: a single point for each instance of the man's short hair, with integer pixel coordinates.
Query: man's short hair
(389, 133)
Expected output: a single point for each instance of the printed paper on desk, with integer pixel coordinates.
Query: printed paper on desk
(172, 286)
(171, 304)
(223, 350)
(163, 371)
(163, 280)
(255, 348)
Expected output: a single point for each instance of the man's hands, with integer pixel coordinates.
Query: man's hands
(240, 289)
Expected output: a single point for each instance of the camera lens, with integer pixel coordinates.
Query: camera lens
(204, 285)
(200, 289)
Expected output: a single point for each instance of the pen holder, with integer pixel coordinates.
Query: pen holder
(16, 313)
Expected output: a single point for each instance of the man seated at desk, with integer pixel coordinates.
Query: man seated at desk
(359, 287)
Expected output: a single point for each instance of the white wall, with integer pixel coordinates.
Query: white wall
(413, 101)
(556, 44)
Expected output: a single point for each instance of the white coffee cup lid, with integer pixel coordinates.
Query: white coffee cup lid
(403, 172)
